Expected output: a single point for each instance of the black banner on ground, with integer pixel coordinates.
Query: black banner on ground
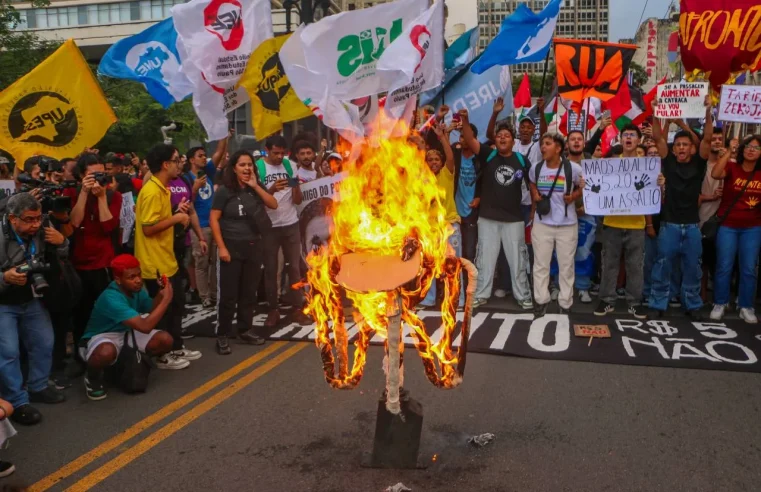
(673, 342)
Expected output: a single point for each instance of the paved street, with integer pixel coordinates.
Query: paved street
(265, 420)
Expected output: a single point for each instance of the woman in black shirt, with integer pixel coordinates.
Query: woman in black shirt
(237, 221)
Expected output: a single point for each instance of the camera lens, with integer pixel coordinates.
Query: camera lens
(39, 283)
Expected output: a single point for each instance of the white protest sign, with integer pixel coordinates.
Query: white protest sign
(8, 186)
(741, 103)
(622, 186)
(682, 100)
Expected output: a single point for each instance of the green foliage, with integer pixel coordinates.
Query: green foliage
(141, 118)
(639, 73)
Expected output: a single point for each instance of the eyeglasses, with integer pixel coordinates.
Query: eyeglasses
(753, 147)
(175, 160)
(629, 135)
(31, 220)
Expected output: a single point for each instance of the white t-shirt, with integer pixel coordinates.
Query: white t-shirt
(534, 154)
(306, 175)
(558, 216)
(286, 213)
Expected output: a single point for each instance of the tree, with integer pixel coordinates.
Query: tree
(639, 73)
(140, 119)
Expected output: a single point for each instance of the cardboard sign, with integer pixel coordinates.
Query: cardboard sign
(576, 121)
(622, 186)
(587, 331)
(741, 103)
(682, 100)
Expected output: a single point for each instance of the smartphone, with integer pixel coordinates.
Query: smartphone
(201, 174)
(161, 279)
(293, 182)
(456, 117)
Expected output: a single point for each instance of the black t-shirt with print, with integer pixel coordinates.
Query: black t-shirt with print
(684, 182)
(237, 208)
(501, 180)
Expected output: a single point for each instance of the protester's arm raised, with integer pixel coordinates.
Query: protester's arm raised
(467, 133)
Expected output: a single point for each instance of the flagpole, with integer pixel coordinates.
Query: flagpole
(544, 73)
(586, 117)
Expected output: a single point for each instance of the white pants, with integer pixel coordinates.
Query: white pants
(563, 240)
(117, 340)
(512, 238)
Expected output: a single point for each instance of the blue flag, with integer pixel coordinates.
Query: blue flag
(523, 37)
(151, 58)
(476, 93)
(458, 56)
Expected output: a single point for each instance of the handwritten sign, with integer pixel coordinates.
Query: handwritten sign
(682, 100)
(740, 103)
(622, 186)
(8, 186)
(587, 331)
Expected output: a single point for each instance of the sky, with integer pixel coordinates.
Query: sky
(621, 14)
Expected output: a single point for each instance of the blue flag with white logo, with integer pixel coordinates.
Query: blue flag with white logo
(523, 37)
(151, 58)
(477, 93)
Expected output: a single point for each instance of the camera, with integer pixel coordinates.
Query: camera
(35, 268)
(101, 178)
(52, 199)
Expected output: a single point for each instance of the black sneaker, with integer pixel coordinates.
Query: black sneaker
(192, 298)
(540, 310)
(637, 311)
(251, 338)
(655, 314)
(95, 388)
(695, 315)
(26, 415)
(604, 309)
(186, 335)
(48, 395)
(6, 469)
(565, 311)
(60, 381)
(223, 346)
(675, 302)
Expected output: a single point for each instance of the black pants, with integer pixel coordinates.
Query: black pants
(469, 231)
(288, 238)
(62, 325)
(94, 282)
(172, 320)
(238, 281)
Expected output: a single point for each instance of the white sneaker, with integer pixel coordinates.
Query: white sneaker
(554, 293)
(478, 303)
(526, 304)
(171, 361)
(500, 293)
(187, 354)
(749, 316)
(585, 297)
(717, 313)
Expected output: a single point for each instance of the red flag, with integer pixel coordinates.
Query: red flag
(607, 139)
(647, 111)
(621, 102)
(522, 98)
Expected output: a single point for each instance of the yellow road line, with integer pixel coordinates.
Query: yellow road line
(172, 427)
(149, 421)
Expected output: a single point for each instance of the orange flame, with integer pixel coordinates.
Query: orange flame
(388, 196)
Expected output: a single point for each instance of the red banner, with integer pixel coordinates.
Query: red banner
(720, 37)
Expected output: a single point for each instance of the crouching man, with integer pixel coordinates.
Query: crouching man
(120, 308)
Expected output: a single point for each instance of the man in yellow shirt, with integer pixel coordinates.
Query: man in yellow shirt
(443, 167)
(154, 246)
(627, 233)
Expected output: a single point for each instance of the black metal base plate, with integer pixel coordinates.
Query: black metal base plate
(397, 437)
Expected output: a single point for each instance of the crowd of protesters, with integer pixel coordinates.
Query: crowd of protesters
(103, 253)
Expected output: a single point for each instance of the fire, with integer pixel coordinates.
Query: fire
(389, 204)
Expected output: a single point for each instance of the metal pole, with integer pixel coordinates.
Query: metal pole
(544, 73)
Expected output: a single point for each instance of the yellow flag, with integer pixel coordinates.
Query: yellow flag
(273, 101)
(56, 110)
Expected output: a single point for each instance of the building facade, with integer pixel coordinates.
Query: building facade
(579, 19)
(653, 54)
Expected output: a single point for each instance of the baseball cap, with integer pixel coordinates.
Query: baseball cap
(526, 118)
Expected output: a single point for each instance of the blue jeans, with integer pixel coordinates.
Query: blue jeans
(29, 323)
(585, 259)
(455, 240)
(678, 244)
(651, 255)
(730, 242)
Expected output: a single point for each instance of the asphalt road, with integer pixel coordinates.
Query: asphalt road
(263, 419)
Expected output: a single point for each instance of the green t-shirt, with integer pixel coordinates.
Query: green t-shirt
(113, 308)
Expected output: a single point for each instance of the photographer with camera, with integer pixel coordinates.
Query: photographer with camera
(95, 217)
(26, 248)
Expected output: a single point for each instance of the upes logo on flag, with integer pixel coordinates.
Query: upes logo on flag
(43, 117)
(57, 109)
(223, 19)
(591, 68)
(366, 47)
